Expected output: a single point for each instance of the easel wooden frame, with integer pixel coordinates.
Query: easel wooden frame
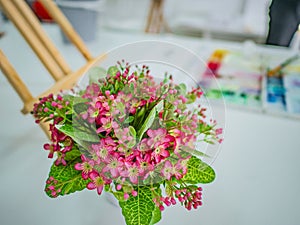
(21, 15)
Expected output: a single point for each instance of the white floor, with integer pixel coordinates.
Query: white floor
(257, 169)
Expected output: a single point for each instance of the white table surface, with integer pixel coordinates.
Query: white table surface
(257, 168)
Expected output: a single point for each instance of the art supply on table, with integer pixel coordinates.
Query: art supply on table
(232, 77)
(240, 80)
(277, 70)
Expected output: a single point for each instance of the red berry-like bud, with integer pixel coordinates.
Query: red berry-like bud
(173, 201)
(161, 208)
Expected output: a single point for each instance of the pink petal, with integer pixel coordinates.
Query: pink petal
(134, 179)
(100, 129)
(84, 175)
(165, 153)
(93, 175)
(114, 172)
(168, 164)
(91, 186)
(78, 166)
(150, 133)
(99, 189)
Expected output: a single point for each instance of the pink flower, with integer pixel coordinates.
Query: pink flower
(160, 153)
(132, 172)
(60, 159)
(97, 182)
(219, 131)
(51, 149)
(106, 125)
(86, 167)
(113, 166)
(156, 136)
(143, 146)
(167, 170)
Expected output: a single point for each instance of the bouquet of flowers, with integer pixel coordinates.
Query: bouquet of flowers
(132, 136)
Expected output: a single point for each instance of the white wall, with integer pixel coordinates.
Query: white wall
(240, 17)
(230, 17)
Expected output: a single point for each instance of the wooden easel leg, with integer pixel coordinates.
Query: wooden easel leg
(45, 127)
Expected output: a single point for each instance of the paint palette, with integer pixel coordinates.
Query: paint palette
(241, 80)
(292, 86)
(236, 79)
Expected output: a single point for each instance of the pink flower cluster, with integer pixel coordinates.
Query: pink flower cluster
(119, 154)
(190, 197)
(53, 107)
(145, 133)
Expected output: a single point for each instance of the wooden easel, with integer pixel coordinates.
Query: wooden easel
(156, 21)
(30, 28)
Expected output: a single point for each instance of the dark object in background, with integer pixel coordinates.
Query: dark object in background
(284, 21)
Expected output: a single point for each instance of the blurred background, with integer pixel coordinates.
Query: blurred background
(258, 167)
(236, 20)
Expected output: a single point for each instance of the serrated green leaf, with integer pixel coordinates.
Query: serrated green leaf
(95, 74)
(67, 179)
(156, 216)
(139, 210)
(198, 172)
(73, 154)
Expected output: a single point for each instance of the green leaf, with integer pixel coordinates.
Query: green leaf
(191, 98)
(74, 99)
(117, 85)
(80, 107)
(66, 178)
(112, 70)
(147, 124)
(156, 216)
(78, 136)
(95, 74)
(150, 119)
(159, 106)
(131, 86)
(198, 172)
(139, 210)
(132, 131)
(181, 88)
(72, 155)
(129, 119)
(193, 151)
